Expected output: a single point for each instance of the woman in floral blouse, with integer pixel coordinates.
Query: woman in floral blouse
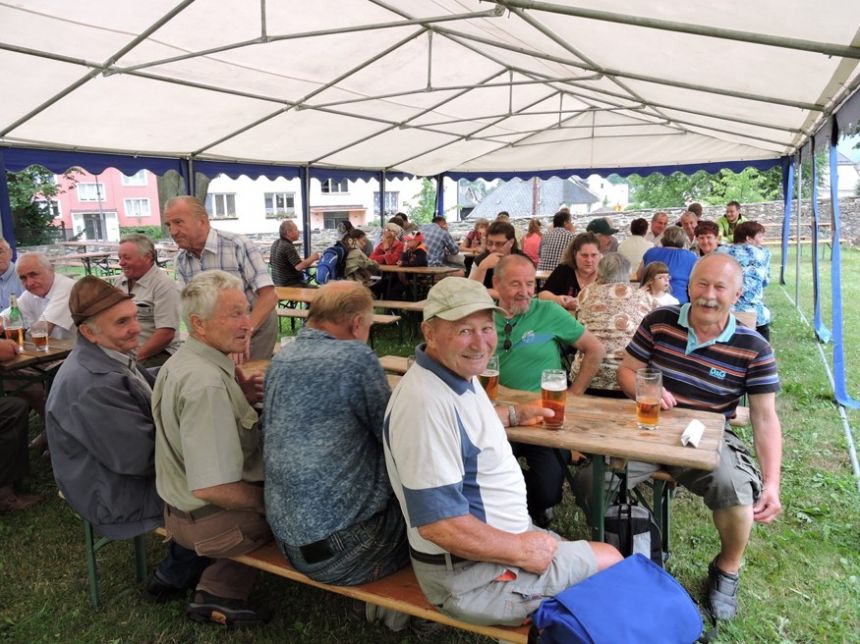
(754, 259)
(611, 308)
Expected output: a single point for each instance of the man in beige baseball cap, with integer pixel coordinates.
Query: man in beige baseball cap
(459, 486)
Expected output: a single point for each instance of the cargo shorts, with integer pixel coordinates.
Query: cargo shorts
(736, 480)
(488, 593)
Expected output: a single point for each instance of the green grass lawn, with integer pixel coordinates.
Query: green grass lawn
(801, 582)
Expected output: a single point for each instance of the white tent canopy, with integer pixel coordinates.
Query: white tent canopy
(426, 86)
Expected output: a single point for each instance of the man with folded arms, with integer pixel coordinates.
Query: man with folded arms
(328, 498)
(208, 461)
(476, 554)
(204, 248)
(100, 430)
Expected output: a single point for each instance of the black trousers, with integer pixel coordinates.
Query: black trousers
(544, 476)
(14, 463)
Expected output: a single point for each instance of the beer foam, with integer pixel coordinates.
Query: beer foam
(489, 373)
(554, 386)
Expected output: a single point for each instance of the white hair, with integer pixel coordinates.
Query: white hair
(200, 296)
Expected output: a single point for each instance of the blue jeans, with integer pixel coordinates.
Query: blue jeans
(362, 553)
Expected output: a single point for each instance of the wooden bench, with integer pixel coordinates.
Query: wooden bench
(394, 364)
(399, 592)
(378, 318)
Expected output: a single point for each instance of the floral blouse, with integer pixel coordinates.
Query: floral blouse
(612, 312)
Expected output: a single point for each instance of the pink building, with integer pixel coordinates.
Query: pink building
(97, 206)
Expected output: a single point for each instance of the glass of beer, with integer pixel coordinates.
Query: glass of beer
(489, 378)
(553, 393)
(39, 335)
(649, 392)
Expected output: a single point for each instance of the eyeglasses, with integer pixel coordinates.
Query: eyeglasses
(508, 343)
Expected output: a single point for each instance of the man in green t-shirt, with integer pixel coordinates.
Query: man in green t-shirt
(530, 332)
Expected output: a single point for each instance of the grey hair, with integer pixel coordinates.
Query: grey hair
(200, 296)
(5, 244)
(144, 244)
(673, 237)
(40, 259)
(613, 268)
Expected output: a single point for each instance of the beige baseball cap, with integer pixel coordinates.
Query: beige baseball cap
(454, 298)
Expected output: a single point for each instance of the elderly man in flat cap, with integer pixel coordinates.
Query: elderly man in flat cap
(101, 433)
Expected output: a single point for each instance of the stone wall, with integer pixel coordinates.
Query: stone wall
(764, 212)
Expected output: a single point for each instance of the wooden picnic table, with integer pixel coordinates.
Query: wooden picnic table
(35, 366)
(607, 427)
(416, 274)
(100, 259)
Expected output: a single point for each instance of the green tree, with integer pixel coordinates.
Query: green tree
(425, 210)
(748, 186)
(31, 195)
(674, 190)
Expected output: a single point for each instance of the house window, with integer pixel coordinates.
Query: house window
(332, 185)
(221, 205)
(137, 207)
(331, 220)
(91, 192)
(137, 179)
(52, 206)
(280, 205)
(392, 203)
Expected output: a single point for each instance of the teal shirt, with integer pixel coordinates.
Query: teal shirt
(533, 343)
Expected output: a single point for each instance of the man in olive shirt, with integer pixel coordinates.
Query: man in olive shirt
(208, 458)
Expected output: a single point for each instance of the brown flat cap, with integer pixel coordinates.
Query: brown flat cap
(90, 296)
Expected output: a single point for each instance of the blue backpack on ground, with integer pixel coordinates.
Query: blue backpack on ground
(331, 263)
(633, 601)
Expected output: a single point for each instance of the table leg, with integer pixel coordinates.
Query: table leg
(598, 474)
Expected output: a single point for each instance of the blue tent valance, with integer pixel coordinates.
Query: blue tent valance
(58, 161)
(710, 168)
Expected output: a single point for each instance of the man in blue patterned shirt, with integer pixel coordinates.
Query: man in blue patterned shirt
(439, 243)
(204, 248)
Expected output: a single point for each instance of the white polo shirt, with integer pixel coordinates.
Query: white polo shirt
(447, 454)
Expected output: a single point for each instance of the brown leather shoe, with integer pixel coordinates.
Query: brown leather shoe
(17, 502)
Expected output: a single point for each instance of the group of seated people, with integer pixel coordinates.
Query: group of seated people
(354, 481)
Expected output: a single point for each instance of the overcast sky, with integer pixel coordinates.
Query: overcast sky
(848, 148)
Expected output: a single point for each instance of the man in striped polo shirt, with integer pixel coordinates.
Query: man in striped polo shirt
(708, 362)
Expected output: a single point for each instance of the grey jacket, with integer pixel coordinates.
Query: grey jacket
(102, 442)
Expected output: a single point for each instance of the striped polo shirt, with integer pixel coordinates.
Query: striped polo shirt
(712, 375)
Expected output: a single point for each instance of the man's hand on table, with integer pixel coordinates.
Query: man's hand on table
(668, 400)
(252, 386)
(8, 350)
(533, 414)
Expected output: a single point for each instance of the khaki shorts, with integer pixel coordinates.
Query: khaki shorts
(736, 481)
(470, 591)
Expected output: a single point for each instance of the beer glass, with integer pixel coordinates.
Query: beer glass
(649, 392)
(489, 378)
(553, 393)
(39, 335)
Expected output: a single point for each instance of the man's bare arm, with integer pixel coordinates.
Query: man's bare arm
(768, 446)
(470, 538)
(593, 352)
(234, 496)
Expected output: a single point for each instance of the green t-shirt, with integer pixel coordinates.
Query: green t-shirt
(533, 343)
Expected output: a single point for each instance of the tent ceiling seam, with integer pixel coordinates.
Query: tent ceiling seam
(827, 49)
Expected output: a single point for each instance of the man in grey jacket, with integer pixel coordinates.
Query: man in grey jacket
(101, 433)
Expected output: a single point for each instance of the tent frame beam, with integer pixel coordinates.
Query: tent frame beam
(264, 39)
(827, 49)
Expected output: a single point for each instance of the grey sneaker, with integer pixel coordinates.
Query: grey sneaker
(721, 592)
